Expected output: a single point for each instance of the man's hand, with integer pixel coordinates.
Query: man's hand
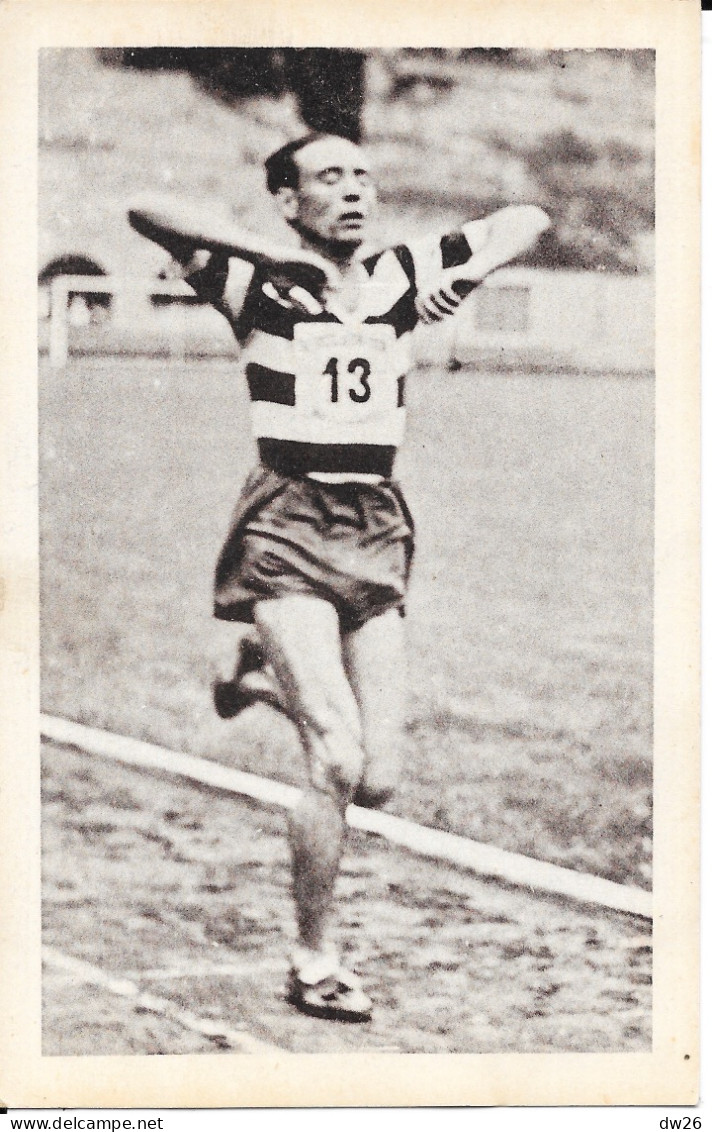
(294, 298)
(494, 241)
(291, 267)
(298, 278)
(446, 297)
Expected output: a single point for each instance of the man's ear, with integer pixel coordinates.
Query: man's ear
(287, 202)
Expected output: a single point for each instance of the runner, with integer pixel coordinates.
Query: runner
(319, 551)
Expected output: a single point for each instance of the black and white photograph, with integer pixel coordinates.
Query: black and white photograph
(346, 526)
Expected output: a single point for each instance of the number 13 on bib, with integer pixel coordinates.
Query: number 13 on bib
(349, 383)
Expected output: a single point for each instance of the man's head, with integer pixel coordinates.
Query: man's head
(325, 190)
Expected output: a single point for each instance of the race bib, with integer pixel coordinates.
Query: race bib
(343, 373)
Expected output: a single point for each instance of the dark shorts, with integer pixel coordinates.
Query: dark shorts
(350, 544)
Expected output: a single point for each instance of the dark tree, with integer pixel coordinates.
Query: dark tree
(328, 82)
(329, 85)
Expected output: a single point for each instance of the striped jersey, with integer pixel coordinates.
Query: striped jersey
(327, 390)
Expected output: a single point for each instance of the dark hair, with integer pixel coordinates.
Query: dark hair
(281, 168)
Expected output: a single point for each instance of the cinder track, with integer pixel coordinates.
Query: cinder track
(183, 893)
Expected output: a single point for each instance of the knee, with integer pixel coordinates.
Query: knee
(336, 753)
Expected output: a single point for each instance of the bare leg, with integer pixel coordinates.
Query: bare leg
(302, 640)
(374, 658)
(374, 661)
(317, 836)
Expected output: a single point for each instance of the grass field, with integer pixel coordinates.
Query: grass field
(530, 619)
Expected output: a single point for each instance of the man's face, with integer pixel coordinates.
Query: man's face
(336, 195)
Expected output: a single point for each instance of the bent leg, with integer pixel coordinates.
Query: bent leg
(252, 681)
(374, 657)
(301, 638)
(262, 687)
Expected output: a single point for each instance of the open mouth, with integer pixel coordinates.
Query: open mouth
(352, 218)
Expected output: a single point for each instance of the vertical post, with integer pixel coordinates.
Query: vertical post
(58, 323)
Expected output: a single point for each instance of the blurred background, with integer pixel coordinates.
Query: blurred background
(453, 133)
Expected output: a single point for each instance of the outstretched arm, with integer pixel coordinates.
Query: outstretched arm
(502, 237)
(492, 243)
(182, 229)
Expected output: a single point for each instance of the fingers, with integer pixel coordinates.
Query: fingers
(302, 281)
(304, 301)
(438, 306)
(294, 297)
(426, 312)
(271, 292)
(447, 300)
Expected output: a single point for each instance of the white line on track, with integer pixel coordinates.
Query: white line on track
(82, 972)
(485, 860)
(196, 971)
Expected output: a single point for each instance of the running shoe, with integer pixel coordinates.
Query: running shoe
(229, 697)
(337, 997)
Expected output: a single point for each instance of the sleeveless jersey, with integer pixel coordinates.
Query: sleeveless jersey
(327, 391)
